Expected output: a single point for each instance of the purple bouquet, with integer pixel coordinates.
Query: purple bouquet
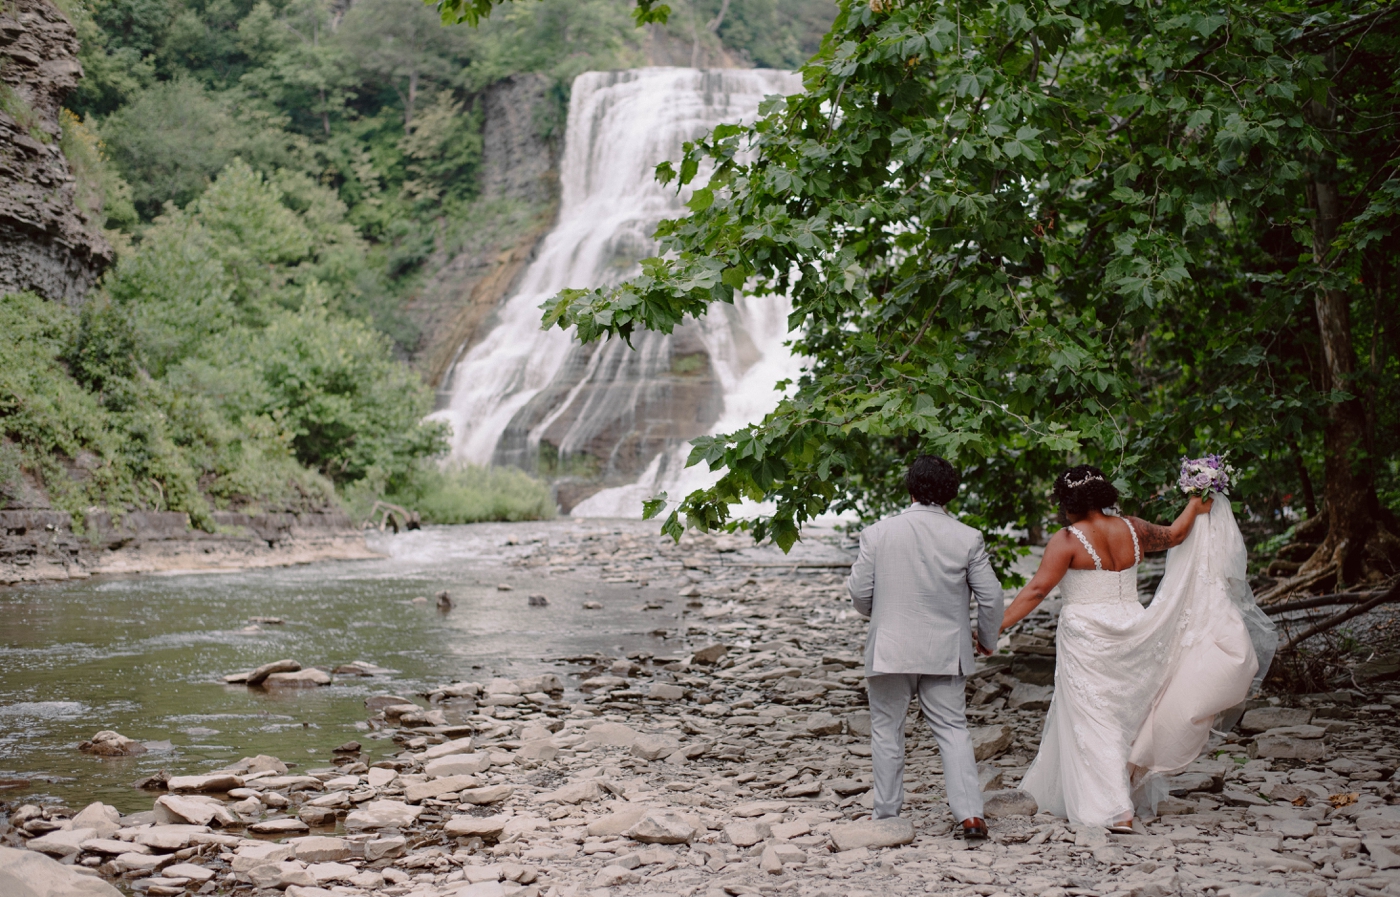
(1202, 476)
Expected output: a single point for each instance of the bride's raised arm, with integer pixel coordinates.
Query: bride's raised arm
(1053, 564)
(1160, 538)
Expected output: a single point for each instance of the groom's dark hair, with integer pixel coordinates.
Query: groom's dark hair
(931, 480)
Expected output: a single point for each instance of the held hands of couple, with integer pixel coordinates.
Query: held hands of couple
(977, 647)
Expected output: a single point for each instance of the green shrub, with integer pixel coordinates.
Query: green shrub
(471, 494)
(95, 429)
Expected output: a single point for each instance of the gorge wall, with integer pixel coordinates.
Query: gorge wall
(519, 196)
(49, 244)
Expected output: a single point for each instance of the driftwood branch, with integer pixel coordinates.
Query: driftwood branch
(391, 515)
(1321, 601)
(1389, 595)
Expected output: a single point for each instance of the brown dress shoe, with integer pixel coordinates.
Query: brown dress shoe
(974, 829)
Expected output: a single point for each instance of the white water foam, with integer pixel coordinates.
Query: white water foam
(620, 126)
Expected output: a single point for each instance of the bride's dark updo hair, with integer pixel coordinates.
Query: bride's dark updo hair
(1082, 489)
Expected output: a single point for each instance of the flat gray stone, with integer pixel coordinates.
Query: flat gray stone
(616, 823)
(990, 741)
(1286, 744)
(891, 832)
(654, 747)
(1262, 719)
(25, 873)
(447, 749)
(385, 848)
(489, 795)
(61, 843)
(277, 666)
(1191, 783)
(217, 782)
(310, 678)
(318, 849)
(615, 734)
(1008, 802)
(103, 819)
(419, 791)
(747, 834)
(1025, 696)
(658, 827)
(458, 765)
(476, 826)
(382, 814)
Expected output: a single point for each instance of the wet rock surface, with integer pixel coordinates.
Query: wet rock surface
(749, 774)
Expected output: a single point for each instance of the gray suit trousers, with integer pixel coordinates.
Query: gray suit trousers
(944, 705)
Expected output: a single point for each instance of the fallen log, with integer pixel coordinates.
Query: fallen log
(1321, 601)
(1389, 595)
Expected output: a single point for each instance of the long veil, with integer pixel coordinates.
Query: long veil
(1205, 596)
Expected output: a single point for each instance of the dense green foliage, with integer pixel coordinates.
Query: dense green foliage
(1025, 233)
(212, 373)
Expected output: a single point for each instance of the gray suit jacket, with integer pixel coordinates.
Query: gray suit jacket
(914, 579)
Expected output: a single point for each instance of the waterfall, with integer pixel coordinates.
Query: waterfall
(608, 423)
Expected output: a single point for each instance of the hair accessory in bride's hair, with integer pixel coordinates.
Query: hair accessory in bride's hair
(1075, 484)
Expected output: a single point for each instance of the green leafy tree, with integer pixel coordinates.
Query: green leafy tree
(173, 138)
(401, 44)
(1023, 233)
(299, 68)
(444, 146)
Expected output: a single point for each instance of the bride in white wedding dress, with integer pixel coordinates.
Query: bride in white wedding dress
(1136, 688)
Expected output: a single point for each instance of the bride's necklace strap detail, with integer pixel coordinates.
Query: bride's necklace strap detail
(1098, 564)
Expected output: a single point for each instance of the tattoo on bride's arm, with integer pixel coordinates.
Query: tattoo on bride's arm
(1154, 538)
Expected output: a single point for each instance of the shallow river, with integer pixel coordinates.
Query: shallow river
(146, 655)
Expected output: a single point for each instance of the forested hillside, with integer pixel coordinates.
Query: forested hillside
(280, 181)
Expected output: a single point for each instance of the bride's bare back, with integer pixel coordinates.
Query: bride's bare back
(1113, 542)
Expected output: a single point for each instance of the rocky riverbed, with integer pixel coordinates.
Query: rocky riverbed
(734, 760)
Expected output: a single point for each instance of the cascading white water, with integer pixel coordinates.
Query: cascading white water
(521, 387)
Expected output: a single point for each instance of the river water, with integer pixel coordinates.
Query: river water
(146, 655)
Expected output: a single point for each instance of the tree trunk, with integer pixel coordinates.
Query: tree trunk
(1349, 490)
(1309, 499)
(412, 98)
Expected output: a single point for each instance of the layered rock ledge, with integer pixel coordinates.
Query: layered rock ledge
(39, 545)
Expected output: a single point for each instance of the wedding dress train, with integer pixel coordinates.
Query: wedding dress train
(1136, 688)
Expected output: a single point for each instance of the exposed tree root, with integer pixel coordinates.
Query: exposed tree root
(1289, 586)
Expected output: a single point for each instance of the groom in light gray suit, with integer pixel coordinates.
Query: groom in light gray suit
(915, 577)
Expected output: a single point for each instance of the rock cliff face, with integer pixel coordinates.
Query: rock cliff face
(48, 244)
(520, 187)
(521, 129)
